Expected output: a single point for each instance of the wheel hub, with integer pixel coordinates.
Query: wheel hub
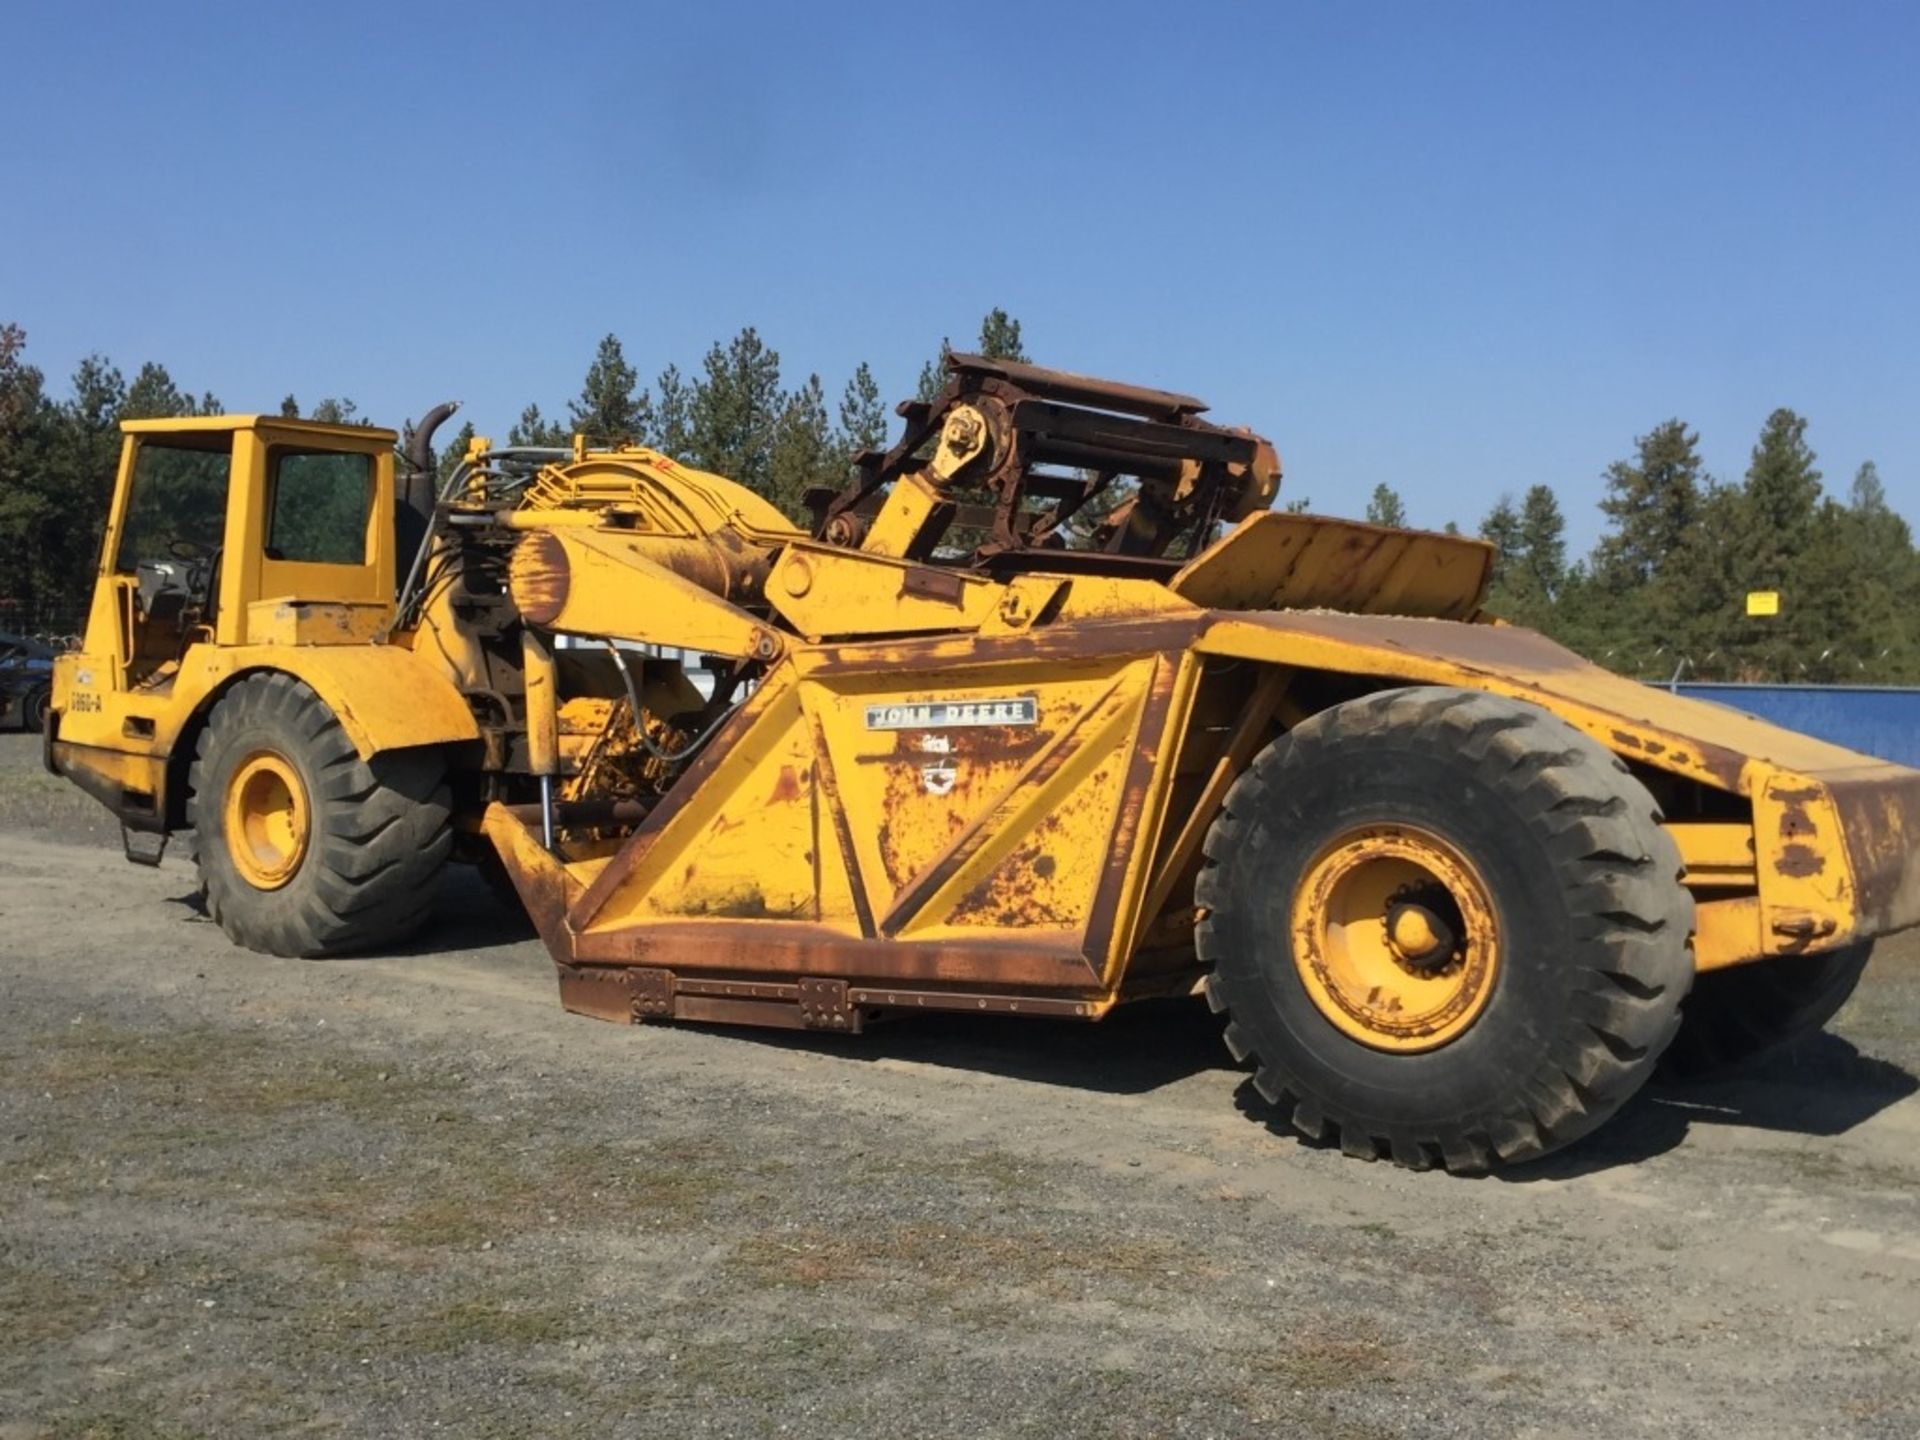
(267, 820)
(1420, 936)
(1395, 938)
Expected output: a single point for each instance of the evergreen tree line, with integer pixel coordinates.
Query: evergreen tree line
(734, 415)
(1664, 591)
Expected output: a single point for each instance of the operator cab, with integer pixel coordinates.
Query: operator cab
(228, 533)
(218, 516)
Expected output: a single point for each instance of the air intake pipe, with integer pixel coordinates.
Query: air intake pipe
(416, 491)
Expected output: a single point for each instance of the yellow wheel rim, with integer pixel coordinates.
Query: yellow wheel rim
(1395, 939)
(267, 820)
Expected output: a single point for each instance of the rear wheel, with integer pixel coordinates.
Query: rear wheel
(304, 848)
(1448, 928)
(1740, 1014)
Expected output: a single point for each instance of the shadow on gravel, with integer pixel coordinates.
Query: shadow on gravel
(1823, 1086)
(468, 915)
(1137, 1049)
(472, 915)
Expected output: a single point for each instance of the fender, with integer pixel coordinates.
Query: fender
(131, 749)
(385, 696)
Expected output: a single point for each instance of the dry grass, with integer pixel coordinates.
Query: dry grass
(966, 1265)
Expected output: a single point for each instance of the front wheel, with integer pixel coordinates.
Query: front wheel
(1447, 927)
(304, 848)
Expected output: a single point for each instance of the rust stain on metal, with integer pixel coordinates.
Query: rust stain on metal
(652, 993)
(600, 994)
(786, 788)
(1006, 899)
(748, 949)
(539, 578)
(1880, 818)
(1059, 750)
(1795, 822)
(1799, 861)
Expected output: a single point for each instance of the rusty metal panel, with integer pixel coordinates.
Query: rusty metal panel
(653, 993)
(1278, 561)
(981, 799)
(717, 1010)
(1879, 813)
(737, 950)
(824, 1005)
(741, 844)
(601, 994)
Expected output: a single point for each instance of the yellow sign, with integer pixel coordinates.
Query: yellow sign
(1763, 602)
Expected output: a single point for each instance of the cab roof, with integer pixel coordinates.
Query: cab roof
(216, 424)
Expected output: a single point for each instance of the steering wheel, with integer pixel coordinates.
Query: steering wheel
(203, 572)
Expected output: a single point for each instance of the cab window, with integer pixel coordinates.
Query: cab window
(319, 506)
(178, 504)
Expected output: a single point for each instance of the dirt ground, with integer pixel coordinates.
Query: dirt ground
(402, 1194)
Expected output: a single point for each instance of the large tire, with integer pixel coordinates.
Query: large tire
(304, 848)
(1563, 992)
(1738, 1015)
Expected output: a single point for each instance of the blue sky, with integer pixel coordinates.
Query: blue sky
(1461, 249)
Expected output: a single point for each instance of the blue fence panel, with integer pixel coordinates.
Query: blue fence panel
(1875, 720)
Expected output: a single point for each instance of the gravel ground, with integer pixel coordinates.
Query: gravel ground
(386, 1196)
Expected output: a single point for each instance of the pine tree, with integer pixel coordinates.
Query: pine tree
(1530, 566)
(1543, 543)
(612, 409)
(673, 418)
(29, 508)
(1651, 578)
(453, 450)
(1386, 508)
(84, 464)
(1781, 499)
(933, 374)
(338, 411)
(803, 453)
(154, 396)
(1771, 525)
(1501, 528)
(863, 418)
(1000, 336)
(1653, 501)
(1886, 571)
(999, 340)
(1867, 496)
(535, 431)
(734, 411)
